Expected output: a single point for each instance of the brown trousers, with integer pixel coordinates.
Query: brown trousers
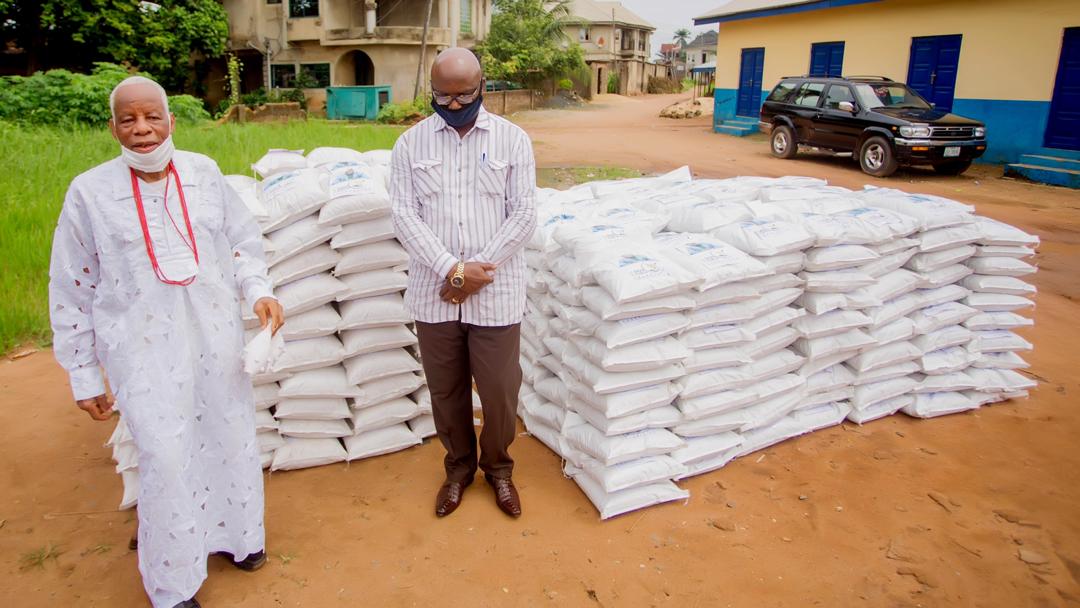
(453, 354)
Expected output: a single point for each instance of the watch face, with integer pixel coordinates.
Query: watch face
(457, 281)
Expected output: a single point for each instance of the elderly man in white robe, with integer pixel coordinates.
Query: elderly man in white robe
(152, 257)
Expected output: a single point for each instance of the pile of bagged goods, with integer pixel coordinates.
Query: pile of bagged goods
(672, 324)
(675, 324)
(347, 384)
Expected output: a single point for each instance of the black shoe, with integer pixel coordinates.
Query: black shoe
(250, 563)
(192, 603)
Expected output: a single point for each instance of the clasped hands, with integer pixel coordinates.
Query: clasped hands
(477, 276)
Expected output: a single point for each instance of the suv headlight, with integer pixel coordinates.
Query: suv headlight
(915, 131)
(980, 132)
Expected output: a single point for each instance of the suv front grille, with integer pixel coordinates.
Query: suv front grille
(952, 132)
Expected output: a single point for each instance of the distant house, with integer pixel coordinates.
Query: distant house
(701, 50)
(344, 42)
(1013, 65)
(672, 56)
(616, 42)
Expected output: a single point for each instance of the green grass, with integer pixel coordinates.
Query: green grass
(564, 177)
(38, 557)
(39, 163)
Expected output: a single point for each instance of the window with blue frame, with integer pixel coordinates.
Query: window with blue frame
(827, 59)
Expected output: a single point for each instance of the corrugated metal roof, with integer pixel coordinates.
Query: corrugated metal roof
(734, 7)
(747, 9)
(601, 12)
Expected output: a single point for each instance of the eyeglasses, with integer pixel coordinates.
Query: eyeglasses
(445, 100)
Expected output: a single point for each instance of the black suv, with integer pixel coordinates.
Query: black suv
(883, 123)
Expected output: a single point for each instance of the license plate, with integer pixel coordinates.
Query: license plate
(952, 151)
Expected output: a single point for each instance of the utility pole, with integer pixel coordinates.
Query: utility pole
(423, 50)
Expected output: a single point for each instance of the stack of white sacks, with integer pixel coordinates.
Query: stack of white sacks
(349, 384)
(673, 325)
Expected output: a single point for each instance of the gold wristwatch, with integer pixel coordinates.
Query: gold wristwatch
(457, 280)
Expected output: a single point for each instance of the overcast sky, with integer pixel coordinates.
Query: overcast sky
(670, 15)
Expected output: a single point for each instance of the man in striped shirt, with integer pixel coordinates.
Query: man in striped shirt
(463, 186)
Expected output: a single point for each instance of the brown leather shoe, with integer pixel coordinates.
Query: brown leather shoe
(506, 495)
(449, 497)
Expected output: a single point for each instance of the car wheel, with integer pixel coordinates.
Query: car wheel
(783, 142)
(876, 157)
(952, 168)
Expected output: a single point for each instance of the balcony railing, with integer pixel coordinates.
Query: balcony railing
(386, 35)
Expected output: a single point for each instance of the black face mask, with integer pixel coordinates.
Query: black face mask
(462, 117)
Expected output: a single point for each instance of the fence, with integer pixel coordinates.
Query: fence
(508, 102)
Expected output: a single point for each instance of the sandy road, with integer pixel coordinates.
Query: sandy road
(899, 512)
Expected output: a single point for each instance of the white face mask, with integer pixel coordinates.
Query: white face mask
(152, 161)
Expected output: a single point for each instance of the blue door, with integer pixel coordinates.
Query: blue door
(752, 66)
(826, 59)
(1063, 128)
(932, 68)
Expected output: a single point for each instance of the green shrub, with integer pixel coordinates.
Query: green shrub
(613, 83)
(187, 108)
(687, 84)
(60, 97)
(406, 112)
(566, 84)
(260, 97)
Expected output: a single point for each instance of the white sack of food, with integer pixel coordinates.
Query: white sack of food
(381, 441)
(304, 453)
(378, 311)
(314, 429)
(312, 409)
(313, 261)
(290, 196)
(929, 405)
(373, 283)
(619, 503)
(373, 256)
(363, 233)
(313, 353)
(326, 382)
(279, 160)
(385, 389)
(765, 237)
(383, 415)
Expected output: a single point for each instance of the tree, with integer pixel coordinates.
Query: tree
(526, 42)
(162, 38)
(682, 36)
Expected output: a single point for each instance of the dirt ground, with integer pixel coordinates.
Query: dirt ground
(900, 512)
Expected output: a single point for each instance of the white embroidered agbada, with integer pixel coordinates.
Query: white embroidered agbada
(173, 355)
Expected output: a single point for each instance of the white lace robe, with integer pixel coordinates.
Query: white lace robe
(173, 359)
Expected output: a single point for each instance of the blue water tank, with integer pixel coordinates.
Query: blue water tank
(356, 103)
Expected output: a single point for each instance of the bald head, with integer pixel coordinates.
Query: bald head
(456, 71)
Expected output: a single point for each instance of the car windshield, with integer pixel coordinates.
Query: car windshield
(889, 95)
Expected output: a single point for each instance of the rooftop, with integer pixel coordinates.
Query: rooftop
(706, 40)
(734, 10)
(592, 11)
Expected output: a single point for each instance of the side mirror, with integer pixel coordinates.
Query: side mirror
(846, 106)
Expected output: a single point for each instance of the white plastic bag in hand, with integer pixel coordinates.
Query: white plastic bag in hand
(263, 351)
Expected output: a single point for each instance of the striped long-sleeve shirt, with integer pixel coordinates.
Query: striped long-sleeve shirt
(466, 198)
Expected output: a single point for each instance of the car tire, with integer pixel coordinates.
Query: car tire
(952, 168)
(876, 157)
(782, 142)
